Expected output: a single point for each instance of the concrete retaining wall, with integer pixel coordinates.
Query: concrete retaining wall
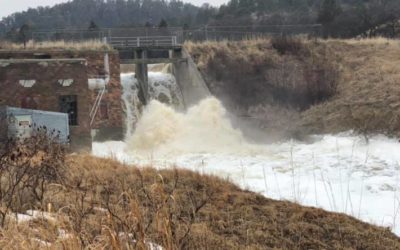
(190, 80)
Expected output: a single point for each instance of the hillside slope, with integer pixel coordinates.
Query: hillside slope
(368, 94)
(313, 87)
(102, 203)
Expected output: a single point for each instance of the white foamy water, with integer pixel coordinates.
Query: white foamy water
(162, 132)
(342, 173)
(339, 173)
(162, 87)
(132, 103)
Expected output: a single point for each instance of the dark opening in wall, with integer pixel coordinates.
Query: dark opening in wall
(158, 54)
(104, 110)
(28, 102)
(41, 56)
(69, 104)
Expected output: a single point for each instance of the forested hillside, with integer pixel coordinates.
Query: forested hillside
(339, 18)
(106, 13)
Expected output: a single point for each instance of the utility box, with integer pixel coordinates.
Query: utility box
(24, 123)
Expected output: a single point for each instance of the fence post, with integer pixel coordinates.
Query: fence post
(138, 41)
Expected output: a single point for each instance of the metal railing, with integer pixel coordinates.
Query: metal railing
(153, 36)
(96, 105)
(237, 33)
(76, 35)
(142, 41)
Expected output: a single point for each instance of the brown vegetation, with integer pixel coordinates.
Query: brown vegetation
(287, 44)
(94, 203)
(285, 71)
(368, 94)
(54, 45)
(326, 86)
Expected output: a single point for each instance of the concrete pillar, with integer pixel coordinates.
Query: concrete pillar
(142, 76)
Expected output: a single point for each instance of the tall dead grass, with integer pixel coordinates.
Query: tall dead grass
(287, 71)
(334, 85)
(367, 41)
(62, 45)
(368, 91)
(102, 204)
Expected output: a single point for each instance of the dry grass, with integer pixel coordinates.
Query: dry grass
(286, 71)
(54, 45)
(367, 99)
(289, 73)
(368, 41)
(102, 204)
(360, 93)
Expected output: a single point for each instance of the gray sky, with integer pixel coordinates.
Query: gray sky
(8, 7)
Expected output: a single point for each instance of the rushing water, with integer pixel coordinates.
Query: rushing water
(162, 87)
(343, 172)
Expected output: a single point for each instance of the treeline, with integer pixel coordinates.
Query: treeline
(366, 18)
(107, 14)
(339, 18)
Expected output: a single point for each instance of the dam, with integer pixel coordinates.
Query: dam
(86, 82)
(142, 51)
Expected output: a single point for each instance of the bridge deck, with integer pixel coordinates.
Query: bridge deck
(152, 60)
(149, 47)
(159, 42)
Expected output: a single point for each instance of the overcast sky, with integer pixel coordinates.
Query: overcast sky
(8, 7)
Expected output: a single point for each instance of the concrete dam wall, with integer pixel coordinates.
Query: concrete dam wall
(189, 79)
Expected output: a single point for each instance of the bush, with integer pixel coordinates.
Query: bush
(286, 44)
(27, 168)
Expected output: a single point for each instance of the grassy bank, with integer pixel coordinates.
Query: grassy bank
(55, 45)
(307, 86)
(367, 99)
(85, 202)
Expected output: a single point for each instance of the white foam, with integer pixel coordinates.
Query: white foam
(204, 128)
(339, 173)
(162, 86)
(342, 173)
(132, 104)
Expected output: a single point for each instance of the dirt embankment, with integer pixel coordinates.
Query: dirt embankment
(101, 204)
(302, 86)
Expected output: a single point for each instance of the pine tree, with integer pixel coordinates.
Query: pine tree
(93, 26)
(23, 33)
(328, 12)
(327, 15)
(163, 24)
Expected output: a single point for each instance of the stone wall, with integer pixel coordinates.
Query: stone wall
(109, 119)
(109, 126)
(35, 84)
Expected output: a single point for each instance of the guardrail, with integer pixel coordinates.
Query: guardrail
(142, 41)
(153, 36)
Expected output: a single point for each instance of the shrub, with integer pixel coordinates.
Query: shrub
(27, 168)
(286, 44)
